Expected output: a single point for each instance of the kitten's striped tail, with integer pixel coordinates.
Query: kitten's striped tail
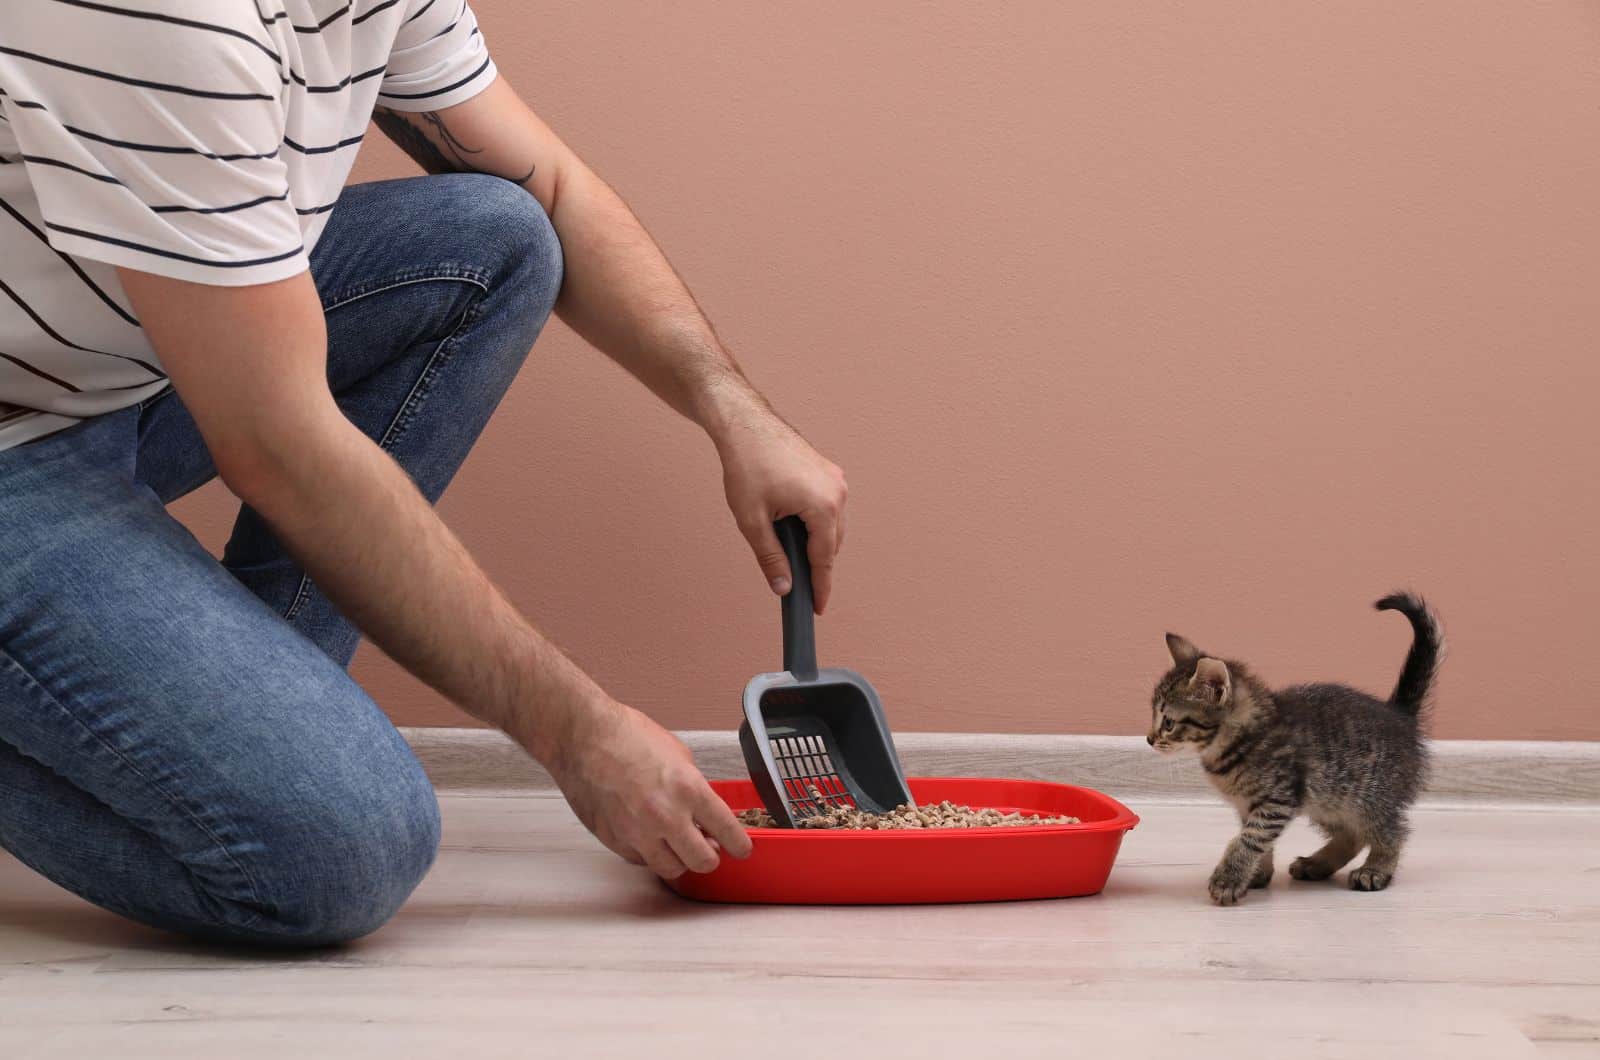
(1422, 661)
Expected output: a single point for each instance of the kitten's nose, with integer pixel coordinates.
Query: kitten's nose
(1150, 739)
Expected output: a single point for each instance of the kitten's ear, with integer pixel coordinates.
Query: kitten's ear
(1183, 652)
(1211, 675)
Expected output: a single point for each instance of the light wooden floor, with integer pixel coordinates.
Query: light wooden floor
(528, 940)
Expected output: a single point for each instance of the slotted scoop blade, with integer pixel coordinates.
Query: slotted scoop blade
(813, 739)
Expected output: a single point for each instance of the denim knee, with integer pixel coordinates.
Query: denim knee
(347, 861)
(504, 220)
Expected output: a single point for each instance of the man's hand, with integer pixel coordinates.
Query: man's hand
(635, 786)
(769, 472)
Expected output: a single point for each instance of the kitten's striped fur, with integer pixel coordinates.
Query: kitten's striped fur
(1350, 762)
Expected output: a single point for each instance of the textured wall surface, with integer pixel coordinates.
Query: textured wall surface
(1221, 318)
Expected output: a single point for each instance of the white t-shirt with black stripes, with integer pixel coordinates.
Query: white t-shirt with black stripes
(205, 140)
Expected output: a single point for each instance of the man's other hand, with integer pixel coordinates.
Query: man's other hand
(635, 786)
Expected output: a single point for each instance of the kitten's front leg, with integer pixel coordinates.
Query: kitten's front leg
(1261, 876)
(1263, 873)
(1251, 848)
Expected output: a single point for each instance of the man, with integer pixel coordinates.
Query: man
(188, 292)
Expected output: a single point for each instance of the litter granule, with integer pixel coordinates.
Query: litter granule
(945, 814)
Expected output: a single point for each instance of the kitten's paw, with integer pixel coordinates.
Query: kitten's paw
(1227, 889)
(1262, 877)
(1309, 869)
(1369, 879)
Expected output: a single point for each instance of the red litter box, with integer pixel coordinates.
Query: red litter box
(816, 739)
(824, 866)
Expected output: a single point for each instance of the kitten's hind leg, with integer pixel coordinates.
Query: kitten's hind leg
(1342, 845)
(1376, 872)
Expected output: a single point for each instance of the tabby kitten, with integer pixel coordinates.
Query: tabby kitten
(1351, 763)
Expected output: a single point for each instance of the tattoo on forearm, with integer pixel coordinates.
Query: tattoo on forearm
(440, 152)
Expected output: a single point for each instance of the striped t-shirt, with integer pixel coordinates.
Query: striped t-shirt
(204, 140)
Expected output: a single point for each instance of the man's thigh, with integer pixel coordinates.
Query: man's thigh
(144, 674)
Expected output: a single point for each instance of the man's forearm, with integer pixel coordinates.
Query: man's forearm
(622, 295)
(360, 527)
(394, 569)
(619, 292)
(346, 511)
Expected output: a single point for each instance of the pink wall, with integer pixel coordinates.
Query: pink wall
(1220, 317)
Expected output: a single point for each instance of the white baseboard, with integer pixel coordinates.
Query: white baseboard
(1464, 771)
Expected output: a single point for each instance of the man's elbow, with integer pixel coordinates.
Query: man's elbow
(269, 462)
(253, 471)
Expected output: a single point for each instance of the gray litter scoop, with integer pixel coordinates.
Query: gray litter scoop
(815, 739)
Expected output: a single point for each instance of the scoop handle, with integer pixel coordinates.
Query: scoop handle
(799, 620)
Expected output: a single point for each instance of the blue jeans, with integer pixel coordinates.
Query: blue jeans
(179, 740)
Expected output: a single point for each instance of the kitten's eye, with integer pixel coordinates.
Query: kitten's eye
(1166, 724)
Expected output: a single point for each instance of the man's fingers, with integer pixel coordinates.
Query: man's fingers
(693, 848)
(822, 544)
(844, 496)
(663, 861)
(769, 553)
(722, 826)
